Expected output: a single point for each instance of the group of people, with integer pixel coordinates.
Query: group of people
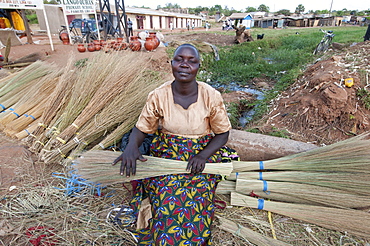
(188, 122)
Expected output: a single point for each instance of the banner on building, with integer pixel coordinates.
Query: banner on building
(21, 4)
(73, 7)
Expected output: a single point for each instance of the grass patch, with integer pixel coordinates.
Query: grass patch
(281, 56)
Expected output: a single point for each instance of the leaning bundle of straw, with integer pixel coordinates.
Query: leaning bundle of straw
(351, 155)
(113, 84)
(88, 80)
(34, 97)
(302, 193)
(27, 131)
(96, 166)
(123, 110)
(54, 108)
(355, 222)
(34, 71)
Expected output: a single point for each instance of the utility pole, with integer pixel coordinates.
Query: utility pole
(107, 18)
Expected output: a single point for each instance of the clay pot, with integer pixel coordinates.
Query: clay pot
(135, 44)
(64, 37)
(155, 39)
(97, 47)
(95, 42)
(124, 46)
(91, 47)
(119, 40)
(81, 48)
(150, 44)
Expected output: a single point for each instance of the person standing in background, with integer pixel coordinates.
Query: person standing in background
(129, 26)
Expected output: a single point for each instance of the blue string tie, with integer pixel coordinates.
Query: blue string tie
(261, 204)
(265, 189)
(261, 165)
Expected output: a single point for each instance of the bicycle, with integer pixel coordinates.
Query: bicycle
(325, 42)
(86, 32)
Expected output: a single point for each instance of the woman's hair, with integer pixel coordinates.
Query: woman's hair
(190, 46)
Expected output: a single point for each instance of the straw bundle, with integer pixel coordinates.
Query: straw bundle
(248, 234)
(34, 71)
(55, 105)
(114, 84)
(352, 221)
(25, 120)
(96, 166)
(38, 92)
(27, 131)
(356, 183)
(124, 110)
(225, 187)
(88, 81)
(351, 155)
(302, 193)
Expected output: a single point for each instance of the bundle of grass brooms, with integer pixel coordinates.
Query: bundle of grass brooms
(59, 112)
(332, 179)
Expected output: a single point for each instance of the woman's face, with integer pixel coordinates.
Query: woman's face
(185, 64)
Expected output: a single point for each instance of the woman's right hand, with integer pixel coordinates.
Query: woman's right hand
(128, 161)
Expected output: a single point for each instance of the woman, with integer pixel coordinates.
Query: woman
(193, 126)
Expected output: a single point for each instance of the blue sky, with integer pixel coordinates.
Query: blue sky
(272, 4)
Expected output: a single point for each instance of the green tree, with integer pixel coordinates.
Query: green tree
(263, 8)
(299, 9)
(250, 9)
(285, 12)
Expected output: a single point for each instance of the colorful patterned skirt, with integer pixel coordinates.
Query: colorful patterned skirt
(182, 204)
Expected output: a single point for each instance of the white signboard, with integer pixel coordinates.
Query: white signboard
(21, 4)
(73, 7)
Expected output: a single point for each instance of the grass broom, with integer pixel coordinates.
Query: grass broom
(34, 71)
(302, 193)
(96, 166)
(27, 131)
(124, 110)
(89, 79)
(55, 106)
(351, 155)
(357, 183)
(354, 222)
(113, 84)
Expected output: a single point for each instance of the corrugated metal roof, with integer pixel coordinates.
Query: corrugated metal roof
(239, 15)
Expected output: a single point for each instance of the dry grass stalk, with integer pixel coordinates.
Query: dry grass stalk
(302, 193)
(355, 222)
(351, 155)
(96, 166)
(248, 234)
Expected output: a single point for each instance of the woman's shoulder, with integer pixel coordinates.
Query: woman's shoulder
(206, 88)
(163, 88)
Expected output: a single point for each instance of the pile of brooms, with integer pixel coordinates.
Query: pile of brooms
(90, 104)
(328, 186)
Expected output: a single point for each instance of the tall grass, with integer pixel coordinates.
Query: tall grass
(281, 56)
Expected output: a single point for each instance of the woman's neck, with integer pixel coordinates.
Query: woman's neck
(185, 94)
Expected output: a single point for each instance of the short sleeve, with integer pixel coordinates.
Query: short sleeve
(219, 120)
(148, 121)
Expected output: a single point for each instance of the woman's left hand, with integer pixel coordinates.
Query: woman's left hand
(196, 164)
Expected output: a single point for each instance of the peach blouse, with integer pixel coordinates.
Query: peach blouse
(207, 115)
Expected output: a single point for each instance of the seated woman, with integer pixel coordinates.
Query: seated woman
(190, 123)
